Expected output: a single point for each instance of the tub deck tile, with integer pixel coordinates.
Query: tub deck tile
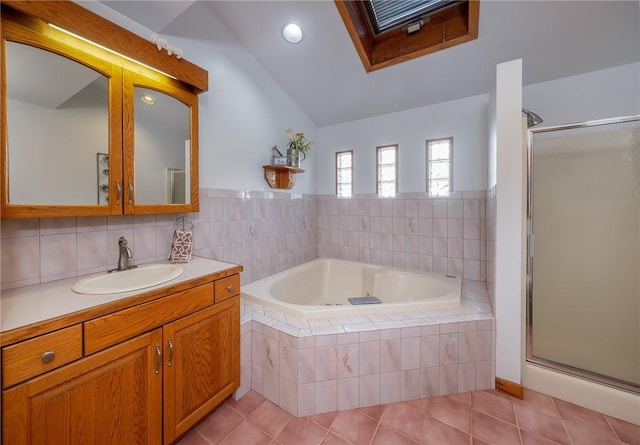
(324, 330)
(419, 322)
(389, 324)
(359, 327)
(297, 322)
(286, 328)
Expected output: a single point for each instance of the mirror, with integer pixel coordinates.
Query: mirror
(77, 139)
(162, 148)
(55, 129)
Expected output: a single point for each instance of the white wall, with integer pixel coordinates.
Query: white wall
(244, 113)
(61, 154)
(597, 95)
(491, 148)
(509, 258)
(600, 94)
(157, 147)
(465, 120)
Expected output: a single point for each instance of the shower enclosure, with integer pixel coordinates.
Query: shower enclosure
(583, 265)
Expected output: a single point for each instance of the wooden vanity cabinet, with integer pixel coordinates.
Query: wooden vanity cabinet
(112, 397)
(147, 389)
(205, 366)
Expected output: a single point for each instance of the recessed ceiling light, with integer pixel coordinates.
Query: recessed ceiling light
(148, 100)
(292, 33)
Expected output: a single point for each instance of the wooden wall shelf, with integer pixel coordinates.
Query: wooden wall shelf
(281, 176)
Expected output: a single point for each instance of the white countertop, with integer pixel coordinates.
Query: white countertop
(32, 304)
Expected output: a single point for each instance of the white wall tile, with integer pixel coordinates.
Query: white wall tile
(430, 382)
(271, 386)
(389, 387)
(369, 390)
(410, 384)
(348, 393)
(326, 396)
(58, 254)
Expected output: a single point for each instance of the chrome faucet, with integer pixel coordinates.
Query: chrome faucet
(125, 254)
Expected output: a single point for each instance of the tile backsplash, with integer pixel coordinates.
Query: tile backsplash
(266, 232)
(413, 231)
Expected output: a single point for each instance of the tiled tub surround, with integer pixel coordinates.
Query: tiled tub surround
(267, 232)
(320, 365)
(412, 230)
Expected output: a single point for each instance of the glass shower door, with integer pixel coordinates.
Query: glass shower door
(584, 250)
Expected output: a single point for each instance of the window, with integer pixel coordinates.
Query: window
(387, 171)
(439, 166)
(344, 174)
(386, 32)
(388, 14)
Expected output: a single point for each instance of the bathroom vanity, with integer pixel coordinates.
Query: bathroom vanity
(140, 367)
(106, 122)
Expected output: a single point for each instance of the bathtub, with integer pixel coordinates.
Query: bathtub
(320, 289)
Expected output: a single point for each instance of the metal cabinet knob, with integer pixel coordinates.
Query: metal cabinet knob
(230, 288)
(48, 357)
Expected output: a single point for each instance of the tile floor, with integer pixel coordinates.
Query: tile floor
(472, 418)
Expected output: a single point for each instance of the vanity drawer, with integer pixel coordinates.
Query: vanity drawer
(105, 331)
(41, 354)
(227, 287)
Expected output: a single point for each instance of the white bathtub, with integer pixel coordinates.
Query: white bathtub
(321, 288)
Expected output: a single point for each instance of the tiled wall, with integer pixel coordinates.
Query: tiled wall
(266, 232)
(316, 374)
(413, 231)
(47, 249)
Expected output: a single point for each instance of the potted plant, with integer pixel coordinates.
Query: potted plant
(297, 146)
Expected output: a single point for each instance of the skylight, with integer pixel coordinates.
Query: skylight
(389, 14)
(386, 32)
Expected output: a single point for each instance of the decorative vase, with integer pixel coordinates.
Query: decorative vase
(295, 157)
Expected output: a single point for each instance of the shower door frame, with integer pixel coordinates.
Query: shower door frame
(530, 246)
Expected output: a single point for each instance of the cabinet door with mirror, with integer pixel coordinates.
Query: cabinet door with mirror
(160, 137)
(61, 150)
(76, 138)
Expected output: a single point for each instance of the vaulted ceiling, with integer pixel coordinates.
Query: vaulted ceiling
(325, 76)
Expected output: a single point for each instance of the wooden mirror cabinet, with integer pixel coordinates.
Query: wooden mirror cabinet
(96, 120)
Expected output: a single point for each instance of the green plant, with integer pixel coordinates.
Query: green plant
(297, 141)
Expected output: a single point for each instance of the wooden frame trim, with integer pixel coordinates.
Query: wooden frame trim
(513, 389)
(78, 20)
(336, 169)
(445, 29)
(378, 148)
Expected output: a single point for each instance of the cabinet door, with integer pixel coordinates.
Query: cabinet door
(113, 397)
(204, 367)
(62, 137)
(160, 127)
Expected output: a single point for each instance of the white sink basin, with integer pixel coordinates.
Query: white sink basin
(128, 280)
